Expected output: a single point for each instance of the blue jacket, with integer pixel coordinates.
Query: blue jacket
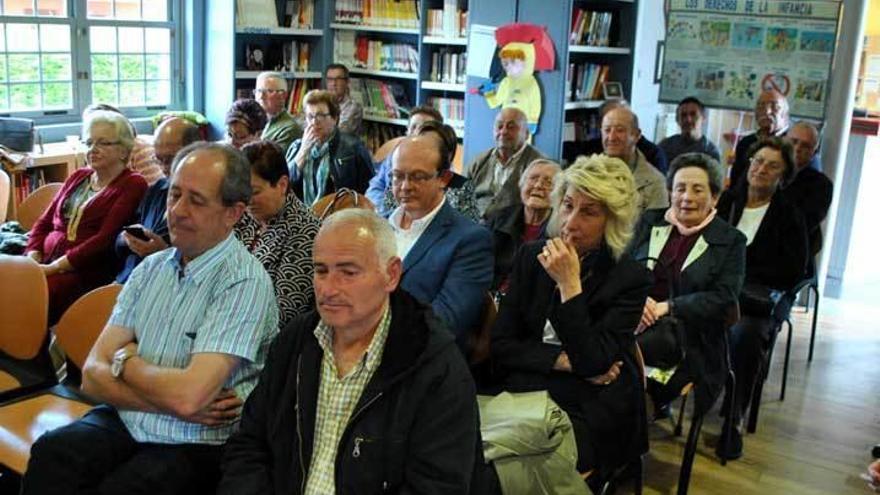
(450, 267)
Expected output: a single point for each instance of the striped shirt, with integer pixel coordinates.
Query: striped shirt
(337, 398)
(220, 302)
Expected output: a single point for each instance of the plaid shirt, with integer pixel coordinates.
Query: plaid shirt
(337, 398)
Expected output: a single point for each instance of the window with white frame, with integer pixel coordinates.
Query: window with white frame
(58, 56)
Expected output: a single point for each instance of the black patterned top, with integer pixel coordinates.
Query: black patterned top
(284, 248)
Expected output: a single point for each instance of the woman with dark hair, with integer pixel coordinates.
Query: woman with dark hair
(245, 121)
(326, 159)
(776, 260)
(279, 230)
(569, 315)
(702, 258)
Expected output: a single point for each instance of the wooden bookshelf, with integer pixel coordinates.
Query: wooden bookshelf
(55, 163)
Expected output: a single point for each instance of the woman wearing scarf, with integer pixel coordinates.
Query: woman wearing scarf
(702, 259)
(245, 120)
(326, 159)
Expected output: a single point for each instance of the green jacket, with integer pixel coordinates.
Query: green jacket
(282, 129)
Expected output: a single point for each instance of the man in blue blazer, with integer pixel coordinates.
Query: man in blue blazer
(447, 259)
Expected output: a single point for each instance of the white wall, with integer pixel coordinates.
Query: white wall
(650, 28)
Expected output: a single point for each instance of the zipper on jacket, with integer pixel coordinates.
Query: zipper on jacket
(356, 452)
(302, 467)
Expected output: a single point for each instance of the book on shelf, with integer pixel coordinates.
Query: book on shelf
(298, 91)
(376, 134)
(452, 109)
(295, 57)
(448, 66)
(256, 13)
(584, 81)
(380, 98)
(590, 28)
(448, 22)
(373, 54)
(299, 14)
(378, 13)
(28, 181)
(582, 129)
(282, 56)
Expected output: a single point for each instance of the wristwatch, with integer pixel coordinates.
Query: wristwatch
(119, 359)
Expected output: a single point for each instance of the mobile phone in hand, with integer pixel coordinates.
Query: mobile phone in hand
(136, 232)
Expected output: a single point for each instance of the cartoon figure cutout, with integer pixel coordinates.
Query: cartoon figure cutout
(524, 49)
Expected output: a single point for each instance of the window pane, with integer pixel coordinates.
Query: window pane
(24, 67)
(52, 8)
(102, 39)
(56, 67)
(99, 8)
(25, 96)
(131, 67)
(104, 67)
(57, 95)
(19, 7)
(158, 92)
(2, 37)
(131, 93)
(158, 67)
(155, 10)
(54, 38)
(2, 68)
(4, 94)
(104, 93)
(22, 37)
(128, 9)
(158, 40)
(131, 40)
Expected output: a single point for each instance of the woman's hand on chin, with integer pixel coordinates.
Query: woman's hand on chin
(561, 261)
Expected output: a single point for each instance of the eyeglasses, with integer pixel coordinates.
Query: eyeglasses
(413, 178)
(270, 91)
(536, 180)
(99, 144)
(311, 117)
(341, 78)
(760, 161)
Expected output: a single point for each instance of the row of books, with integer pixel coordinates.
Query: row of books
(584, 81)
(360, 51)
(448, 66)
(28, 181)
(590, 28)
(298, 92)
(449, 22)
(452, 109)
(376, 134)
(380, 98)
(262, 14)
(291, 56)
(582, 129)
(295, 56)
(378, 13)
(299, 14)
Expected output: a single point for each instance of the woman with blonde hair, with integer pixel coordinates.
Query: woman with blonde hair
(566, 323)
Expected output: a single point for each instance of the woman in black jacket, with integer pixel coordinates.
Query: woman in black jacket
(776, 260)
(570, 312)
(702, 259)
(516, 225)
(326, 159)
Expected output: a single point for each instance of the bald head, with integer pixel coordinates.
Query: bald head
(511, 130)
(170, 137)
(804, 138)
(367, 227)
(771, 112)
(620, 133)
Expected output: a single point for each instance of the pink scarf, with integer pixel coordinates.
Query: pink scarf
(688, 231)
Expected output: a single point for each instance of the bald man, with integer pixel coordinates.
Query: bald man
(771, 117)
(811, 190)
(170, 137)
(495, 172)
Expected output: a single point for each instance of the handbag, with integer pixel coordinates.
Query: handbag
(663, 343)
(340, 200)
(17, 134)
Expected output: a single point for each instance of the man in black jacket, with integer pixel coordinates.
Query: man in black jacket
(369, 394)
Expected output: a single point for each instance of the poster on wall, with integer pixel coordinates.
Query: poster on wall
(725, 51)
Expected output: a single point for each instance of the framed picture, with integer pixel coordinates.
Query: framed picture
(612, 90)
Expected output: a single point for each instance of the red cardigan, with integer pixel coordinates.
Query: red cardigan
(103, 218)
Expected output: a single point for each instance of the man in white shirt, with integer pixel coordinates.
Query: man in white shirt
(447, 259)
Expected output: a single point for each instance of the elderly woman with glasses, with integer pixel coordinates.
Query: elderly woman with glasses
(518, 224)
(567, 320)
(326, 159)
(776, 259)
(73, 239)
(698, 261)
(245, 121)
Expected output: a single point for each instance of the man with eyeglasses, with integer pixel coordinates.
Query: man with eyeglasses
(447, 259)
(772, 119)
(271, 94)
(351, 113)
(170, 137)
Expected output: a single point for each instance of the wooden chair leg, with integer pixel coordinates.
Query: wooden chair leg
(639, 481)
(787, 357)
(678, 425)
(727, 429)
(690, 450)
(815, 290)
(755, 405)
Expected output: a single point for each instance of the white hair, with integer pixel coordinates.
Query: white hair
(362, 222)
(272, 75)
